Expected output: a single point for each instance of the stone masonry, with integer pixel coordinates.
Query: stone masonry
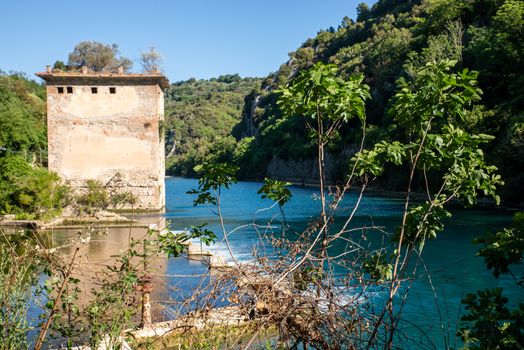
(104, 124)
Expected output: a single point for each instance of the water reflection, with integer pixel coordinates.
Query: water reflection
(99, 247)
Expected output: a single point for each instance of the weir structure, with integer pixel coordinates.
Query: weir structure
(108, 127)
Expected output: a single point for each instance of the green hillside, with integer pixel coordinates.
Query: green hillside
(27, 189)
(388, 43)
(22, 116)
(199, 113)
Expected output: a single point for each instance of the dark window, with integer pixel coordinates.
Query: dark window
(60, 90)
(112, 90)
(94, 90)
(69, 89)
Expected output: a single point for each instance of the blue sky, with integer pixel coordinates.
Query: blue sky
(198, 38)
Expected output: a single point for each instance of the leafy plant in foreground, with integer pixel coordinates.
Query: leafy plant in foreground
(327, 102)
(489, 322)
(174, 244)
(17, 277)
(214, 177)
(431, 111)
(276, 191)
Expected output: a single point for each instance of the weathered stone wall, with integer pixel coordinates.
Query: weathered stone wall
(95, 136)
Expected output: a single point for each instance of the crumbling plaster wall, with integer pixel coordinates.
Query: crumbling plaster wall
(95, 136)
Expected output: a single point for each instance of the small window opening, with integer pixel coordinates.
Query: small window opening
(60, 90)
(94, 90)
(69, 89)
(112, 90)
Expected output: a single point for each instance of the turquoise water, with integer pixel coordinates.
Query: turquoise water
(450, 259)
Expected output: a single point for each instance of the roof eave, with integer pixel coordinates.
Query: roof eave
(160, 79)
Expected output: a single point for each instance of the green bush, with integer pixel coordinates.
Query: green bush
(30, 192)
(95, 198)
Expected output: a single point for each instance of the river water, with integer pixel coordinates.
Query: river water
(450, 259)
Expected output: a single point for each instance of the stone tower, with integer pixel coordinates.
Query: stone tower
(103, 126)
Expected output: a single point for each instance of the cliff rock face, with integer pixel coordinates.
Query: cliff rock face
(301, 171)
(305, 171)
(249, 127)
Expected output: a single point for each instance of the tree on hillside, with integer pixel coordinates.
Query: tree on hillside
(98, 57)
(22, 115)
(362, 12)
(151, 61)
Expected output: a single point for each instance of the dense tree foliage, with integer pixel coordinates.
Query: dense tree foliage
(27, 191)
(389, 42)
(151, 61)
(22, 115)
(200, 115)
(97, 57)
(26, 188)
